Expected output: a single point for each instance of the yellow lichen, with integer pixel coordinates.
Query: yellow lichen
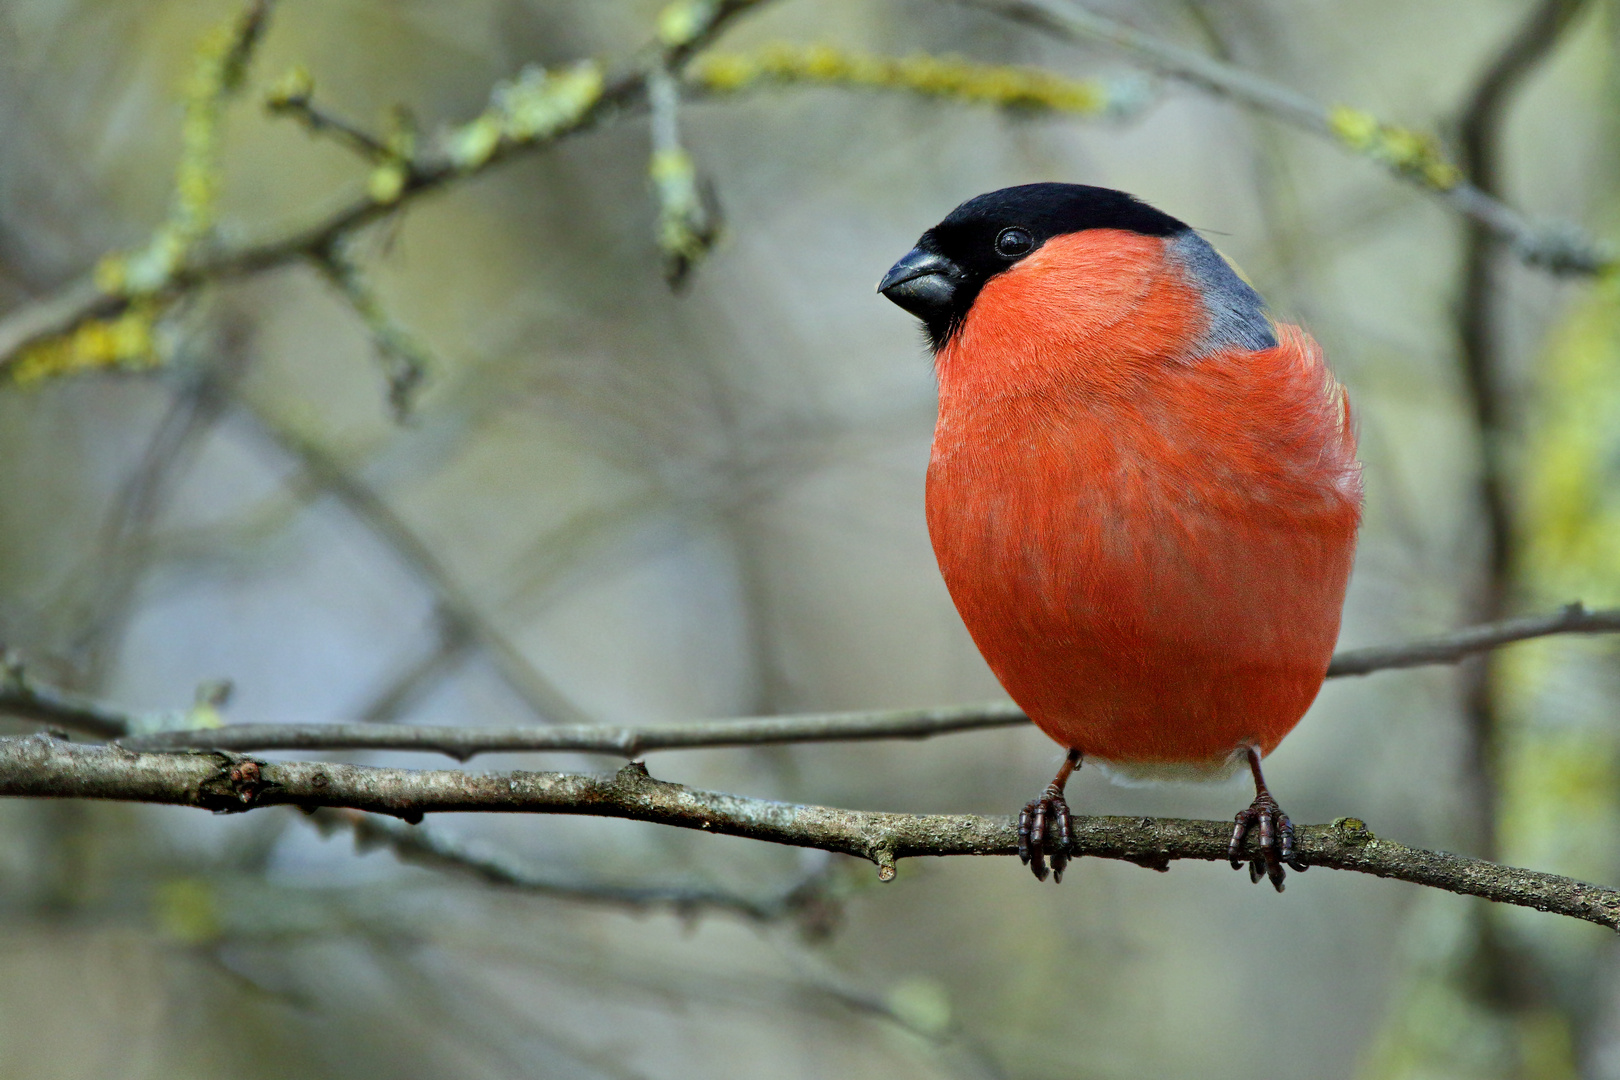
(293, 89)
(471, 144)
(534, 106)
(936, 76)
(126, 340)
(216, 72)
(681, 22)
(123, 341)
(386, 182)
(1411, 153)
(682, 229)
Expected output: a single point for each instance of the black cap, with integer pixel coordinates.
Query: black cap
(939, 279)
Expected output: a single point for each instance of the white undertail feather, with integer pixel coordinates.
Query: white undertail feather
(1152, 773)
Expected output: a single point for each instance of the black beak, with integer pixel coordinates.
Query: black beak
(922, 283)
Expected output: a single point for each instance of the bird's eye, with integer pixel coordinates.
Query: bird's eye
(1014, 242)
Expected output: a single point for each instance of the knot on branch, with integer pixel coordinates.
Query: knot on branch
(632, 773)
(1353, 831)
(1156, 859)
(235, 788)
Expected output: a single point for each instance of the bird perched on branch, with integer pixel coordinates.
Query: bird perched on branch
(1143, 492)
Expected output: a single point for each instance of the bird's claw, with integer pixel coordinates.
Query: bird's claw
(1033, 845)
(1276, 841)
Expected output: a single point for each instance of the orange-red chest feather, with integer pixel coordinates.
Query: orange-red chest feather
(1149, 541)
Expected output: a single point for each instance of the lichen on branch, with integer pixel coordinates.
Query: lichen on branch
(129, 338)
(528, 109)
(952, 78)
(1417, 154)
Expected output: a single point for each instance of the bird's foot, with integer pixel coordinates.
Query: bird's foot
(1033, 842)
(1276, 841)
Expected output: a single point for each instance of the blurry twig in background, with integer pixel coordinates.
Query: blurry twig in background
(1508, 978)
(537, 109)
(90, 324)
(807, 901)
(122, 556)
(451, 641)
(113, 318)
(41, 766)
(294, 96)
(1413, 156)
(688, 211)
(406, 360)
(1485, 378)
(949, 77)
(454, 602)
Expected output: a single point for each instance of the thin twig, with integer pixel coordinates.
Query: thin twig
(320, 121)
(455, 604)
(405, 358)
(123, 555)
(628, 742)
(425, 846)
(60, 311)
(1558, 249)
(26, 699)
(40, 766)
(19, 696)
(1461, 644)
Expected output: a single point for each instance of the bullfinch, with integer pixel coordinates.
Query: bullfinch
(1143, 492)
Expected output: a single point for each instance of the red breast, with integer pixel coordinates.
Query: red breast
(1148, 529)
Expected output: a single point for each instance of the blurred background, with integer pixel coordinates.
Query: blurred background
(619, 503)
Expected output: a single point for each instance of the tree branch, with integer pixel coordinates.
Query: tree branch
(40, 766)
(20, 696)
(1502, 975)
(1558, 249)
(455, 604)
(1485, 364)
(629, 742)
(26, 699)
(61, 311)
(696, 23)
(1461, 644)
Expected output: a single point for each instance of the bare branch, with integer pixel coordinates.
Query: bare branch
(456, 606)
(40, 766)
(20, 697)
(423, 846)
(294, 96)
(406, 359)
(1461, 644)
(25, 699)
(629, 742)
(1558, 249)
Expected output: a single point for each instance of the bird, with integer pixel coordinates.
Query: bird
(1143, 493)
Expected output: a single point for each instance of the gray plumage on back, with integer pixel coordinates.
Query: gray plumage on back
(1237, 314)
